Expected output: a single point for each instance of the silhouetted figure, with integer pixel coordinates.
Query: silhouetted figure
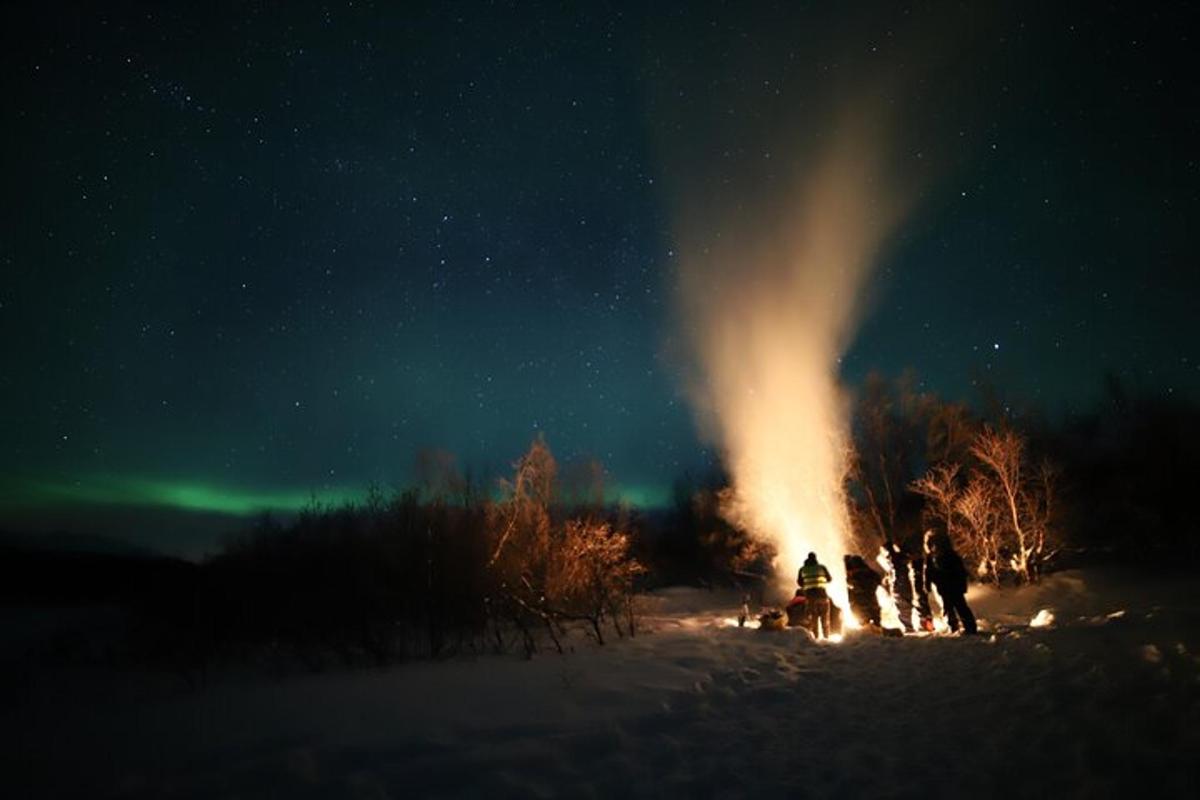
(917, 562)
(797, 611)
(813, 578)
(946, 572)
(835, 619)
(901, 584)
(861, 582)
(908, 586)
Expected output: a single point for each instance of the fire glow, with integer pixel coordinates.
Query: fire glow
(770, 300)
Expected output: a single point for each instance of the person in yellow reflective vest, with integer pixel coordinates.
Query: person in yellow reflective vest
(812, 579)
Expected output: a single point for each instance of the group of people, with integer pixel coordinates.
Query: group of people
(913, 576)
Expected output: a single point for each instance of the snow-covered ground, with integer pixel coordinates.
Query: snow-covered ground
(1101, 702)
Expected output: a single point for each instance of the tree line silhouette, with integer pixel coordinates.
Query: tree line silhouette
(447, 568)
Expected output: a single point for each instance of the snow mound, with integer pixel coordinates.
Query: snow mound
(1042, 619)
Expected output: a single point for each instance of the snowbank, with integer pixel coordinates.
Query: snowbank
(1097, 703)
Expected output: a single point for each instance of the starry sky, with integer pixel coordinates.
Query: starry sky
(255, 251)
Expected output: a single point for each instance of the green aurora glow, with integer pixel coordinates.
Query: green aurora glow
(177, 494)
(124, 490)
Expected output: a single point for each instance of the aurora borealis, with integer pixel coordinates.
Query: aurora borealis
(132, 491)
(256, 256)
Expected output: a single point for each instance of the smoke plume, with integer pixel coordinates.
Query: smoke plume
(773, 261)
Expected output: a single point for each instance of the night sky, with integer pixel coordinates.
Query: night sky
(250, 252)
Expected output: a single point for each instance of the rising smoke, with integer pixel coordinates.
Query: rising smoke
(780, 219)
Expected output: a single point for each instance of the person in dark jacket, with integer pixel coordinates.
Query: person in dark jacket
(861, 582)
(813, 578)
(902, 593)
(908, 583)
(797, 611)
(945, 571)
(920, 584)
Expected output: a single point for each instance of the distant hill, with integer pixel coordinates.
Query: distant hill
(123, 529)
(68, 542)
(62, 568)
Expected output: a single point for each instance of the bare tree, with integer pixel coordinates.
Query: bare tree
(583, 485)
(1040, 507)
(438, 475)
(732, 551)
(548, 574)
(526, 511)
(1027, 498)
(591, 577)
(1002, 453)
(978, 508)
(887, 427)
(521, 531)
(940, 488)
(873, 511)
(949, 430)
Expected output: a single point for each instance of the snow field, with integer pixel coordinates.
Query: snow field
(1100, 702)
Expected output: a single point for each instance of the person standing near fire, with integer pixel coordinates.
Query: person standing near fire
(813, 578)
(908, 586)
(862, 582)
(945, 571)
(918, 562)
